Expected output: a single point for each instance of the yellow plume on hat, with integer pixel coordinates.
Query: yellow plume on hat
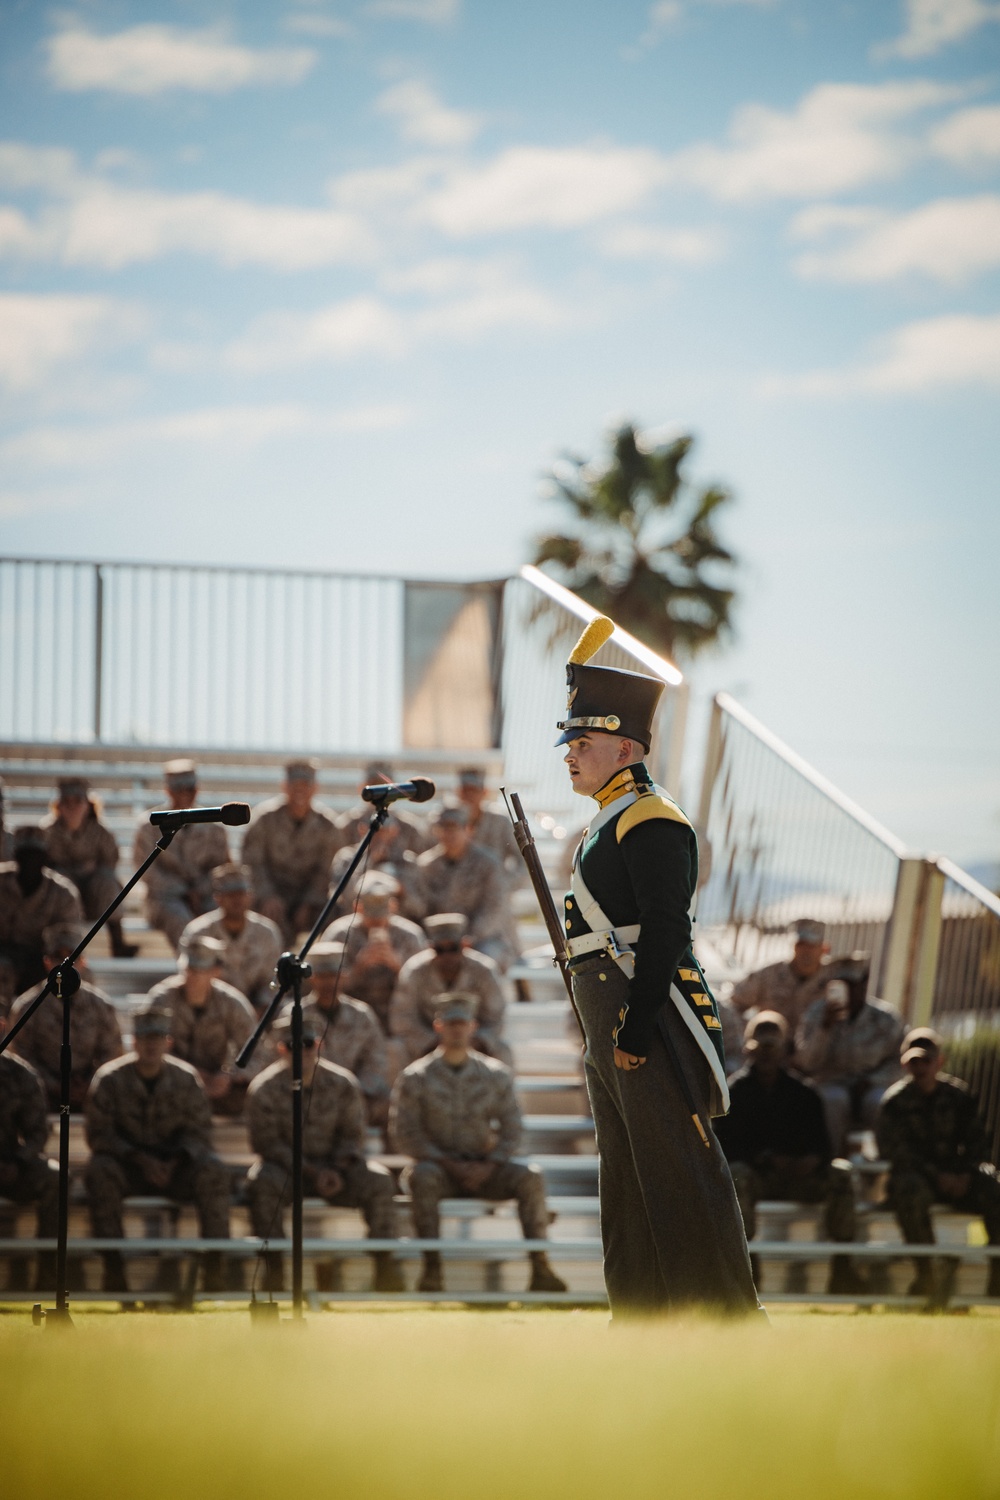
(599, 630)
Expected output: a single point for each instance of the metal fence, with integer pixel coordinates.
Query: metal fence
(965, 1002)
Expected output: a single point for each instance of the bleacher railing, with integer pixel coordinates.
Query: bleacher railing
(781, 842)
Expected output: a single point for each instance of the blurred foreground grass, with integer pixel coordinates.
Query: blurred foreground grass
(500, 1405)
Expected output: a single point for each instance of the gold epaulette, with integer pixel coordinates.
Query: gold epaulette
(645, 808)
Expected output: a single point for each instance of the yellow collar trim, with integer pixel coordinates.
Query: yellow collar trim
(618, 786)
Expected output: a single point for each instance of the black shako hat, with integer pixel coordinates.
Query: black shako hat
(605, 700)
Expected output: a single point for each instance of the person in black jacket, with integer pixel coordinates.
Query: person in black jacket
(655, 1068)
(776, 1141)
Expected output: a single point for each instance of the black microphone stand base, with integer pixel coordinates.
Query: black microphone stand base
(52, 1317)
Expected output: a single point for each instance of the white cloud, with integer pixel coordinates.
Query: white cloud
(933, 354)
(73, 446)
(529, 187)
(949, 240)
(423, 118)
(467, 300)
(840, 136)
(647, 242)
(309, 23)
(970, 137)
(665, 15)
(933, 24)
(151, 59)
(41, 333)
(431, 12)
(93, 221)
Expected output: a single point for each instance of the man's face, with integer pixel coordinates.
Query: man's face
(310, 1055)
(299, 792)
(72, 810)
(807, 958)
(594, 758)
(453, 838)
(448, 959)
(769, 1047)
(234, 905)
(198, 985)
(473, 796)
(924, 1070)
(181, 796)
(455, 1034)
(151, 1050)
(324, 989)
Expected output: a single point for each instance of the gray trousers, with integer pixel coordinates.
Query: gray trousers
(671, 1226)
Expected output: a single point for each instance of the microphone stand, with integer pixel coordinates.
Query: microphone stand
(63, 981)
(291, 970)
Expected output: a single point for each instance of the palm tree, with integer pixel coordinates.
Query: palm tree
(641, 545)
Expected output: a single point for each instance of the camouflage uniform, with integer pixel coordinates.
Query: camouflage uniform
(414, 834)
(401, 867)
(780, 988)
(210, 1038)
(375, 984)
(24, 1130)
(493, 831)
(852, 1062)
(353, 1039)
(411, 1016)
(94, 1037)
(333, 1136)
(88, 858)
(250, 956)
(23, 920)
(291, 858)
(921, 1135)
(179, 882)
(469, 1113)
(167, 1118)
(475, 886)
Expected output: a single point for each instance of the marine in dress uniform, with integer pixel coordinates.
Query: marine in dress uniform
(670, 1221)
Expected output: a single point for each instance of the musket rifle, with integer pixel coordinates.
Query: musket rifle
(546, 905)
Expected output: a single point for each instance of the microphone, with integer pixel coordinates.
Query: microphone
(233, 813)
(417, 790)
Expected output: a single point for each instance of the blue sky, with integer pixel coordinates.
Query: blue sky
(334, 284)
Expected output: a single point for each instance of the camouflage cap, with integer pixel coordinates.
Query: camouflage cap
(446, 927)
(455, 1006)
(453, 812)
(232, 877)
(301, 769)
(851, 967)
(313, 1026)
(30, 836)
(808, 930)
(378, 770)
(920, 1042)
(61, 938)
(180, 774)
(327, 958)
(765, 1018)
(73, 786)
(201, 952)
(378, 883)
(152, 1020)
(471, 776)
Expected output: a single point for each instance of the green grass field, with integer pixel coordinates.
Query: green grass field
(448, 1404)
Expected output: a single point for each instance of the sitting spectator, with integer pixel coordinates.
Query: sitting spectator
(352, 1037)
(385, 858)
(792, 985)
(251, 943)
(448, 965)
(334, 1165)
(733, 1029)
(150, 1130)
(209, 1021)
(455, 1113)
(26, 1174)
(458, 876)
(94, 1034)
(179, 883)
(32, 898)
(85, 850)
(849, 1047)
(289, 847)
(490, 826)
(774, 1138)
(414, 830)
(929, 1131)
(379, 942)
(6, 839)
